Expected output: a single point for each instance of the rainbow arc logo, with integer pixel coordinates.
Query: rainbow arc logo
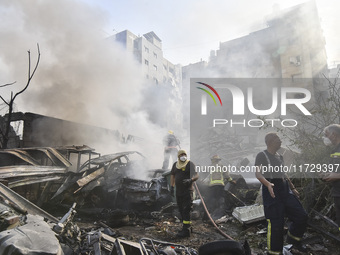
(209, 93)
(204, 97)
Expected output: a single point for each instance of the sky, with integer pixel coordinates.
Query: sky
(190, 29)
(84, 78)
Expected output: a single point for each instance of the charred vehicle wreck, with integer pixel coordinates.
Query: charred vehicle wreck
(108, 181)
(44, 173)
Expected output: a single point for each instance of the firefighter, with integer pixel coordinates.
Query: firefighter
(332, 137)
(279, 199)
(170, 142)
(182, 176)
(216, 185)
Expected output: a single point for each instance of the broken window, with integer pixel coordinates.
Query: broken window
(295, 60)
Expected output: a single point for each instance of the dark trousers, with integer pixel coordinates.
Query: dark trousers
(275, 212)
(170, 152)
(184, 203)
(215, 197)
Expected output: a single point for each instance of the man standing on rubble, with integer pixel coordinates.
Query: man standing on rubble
(216, 194)
(183, 175)
(332, 137)
(279, 199)
(170, 142)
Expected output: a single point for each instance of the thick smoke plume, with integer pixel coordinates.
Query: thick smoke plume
(81, 77)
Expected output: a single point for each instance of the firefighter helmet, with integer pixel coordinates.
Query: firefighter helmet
(215, 158)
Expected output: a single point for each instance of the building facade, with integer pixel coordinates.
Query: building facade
(291, 46)
(167, 77)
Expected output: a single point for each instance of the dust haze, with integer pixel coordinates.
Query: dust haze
(82, 77)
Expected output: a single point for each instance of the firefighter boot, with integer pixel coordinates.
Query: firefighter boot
(185, 232)
(296, 244)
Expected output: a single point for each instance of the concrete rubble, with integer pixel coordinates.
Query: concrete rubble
(108, 211)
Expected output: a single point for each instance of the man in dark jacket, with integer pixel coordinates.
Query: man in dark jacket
(183, 175)
(332, 137)
(279, 199)
(170, 142)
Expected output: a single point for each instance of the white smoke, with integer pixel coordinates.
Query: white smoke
(82, 77)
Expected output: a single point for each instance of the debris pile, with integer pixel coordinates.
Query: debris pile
(109, 212)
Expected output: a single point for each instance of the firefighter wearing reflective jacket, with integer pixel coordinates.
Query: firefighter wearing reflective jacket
(171, 143)
(332, 138)
(216, 185)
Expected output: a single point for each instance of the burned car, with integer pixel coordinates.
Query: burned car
(109, 181)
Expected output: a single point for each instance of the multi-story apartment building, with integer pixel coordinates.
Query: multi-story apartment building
(291, 45)
(148, 51)
(167, 76)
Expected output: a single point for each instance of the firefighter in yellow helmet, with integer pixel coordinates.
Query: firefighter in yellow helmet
(216, 193)
(170, 143)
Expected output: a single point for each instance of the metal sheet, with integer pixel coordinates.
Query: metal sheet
(16, 171)
(92, 176)
(23, 203)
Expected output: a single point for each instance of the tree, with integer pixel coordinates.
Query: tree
(10, 103)
(306, 139)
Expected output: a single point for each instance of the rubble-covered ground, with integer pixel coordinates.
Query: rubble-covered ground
(106, 197)
(164, 228)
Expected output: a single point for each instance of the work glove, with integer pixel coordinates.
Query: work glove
(172, 191)
(231, 181)
(187, 182)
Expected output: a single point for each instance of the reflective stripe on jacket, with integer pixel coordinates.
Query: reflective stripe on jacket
(216, 178)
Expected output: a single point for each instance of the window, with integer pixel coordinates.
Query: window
(295, 60)
(155, 55)
(146, 62)
(296, 78)
(146, 49)
(155, 67)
